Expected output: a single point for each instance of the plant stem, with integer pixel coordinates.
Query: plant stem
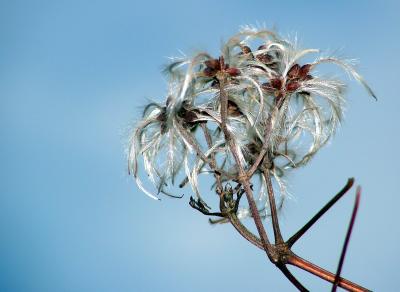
(243, 231)
(323, 274)
(291, 278)
(213, 162)
(295, 260)
(279, 253)
(274, 214)
(264, 148)
(347, 239)
(320, 213)
(242, 177)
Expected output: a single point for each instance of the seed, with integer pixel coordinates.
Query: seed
(294, 71)
(304, 70)
(292, 86)
(189, 116)
(213, 64)
(209, 72)
(276, 83)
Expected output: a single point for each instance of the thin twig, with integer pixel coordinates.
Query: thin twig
(264, 148)
(320, 213)
(292, 278)
(272, 206)
(267, 136)
(201, 208)
(196, 147)
(347, 239)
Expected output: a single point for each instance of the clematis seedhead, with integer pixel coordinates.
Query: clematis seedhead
(278, 105)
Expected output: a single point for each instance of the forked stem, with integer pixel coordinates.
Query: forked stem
(285, 256)
(244, 180)
(242, 177)
(279, 253)
(320, 213)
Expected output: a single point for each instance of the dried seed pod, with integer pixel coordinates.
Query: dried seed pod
(304, 70)
(253, 148)
(292, 86)
(209, 72)
(294, 71)
(276, 83)
(213, 64)
(189, 116)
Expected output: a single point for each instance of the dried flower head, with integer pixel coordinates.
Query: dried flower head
(280, 112)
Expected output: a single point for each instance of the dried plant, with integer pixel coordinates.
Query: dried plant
(246, 118)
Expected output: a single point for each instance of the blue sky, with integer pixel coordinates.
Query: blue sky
(73, 78)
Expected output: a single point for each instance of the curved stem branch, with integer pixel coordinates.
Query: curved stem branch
(292, 278)
(243, 231)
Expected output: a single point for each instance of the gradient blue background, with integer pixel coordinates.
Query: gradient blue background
(73, 77)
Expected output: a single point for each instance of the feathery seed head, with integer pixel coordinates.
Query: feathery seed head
(275, 102)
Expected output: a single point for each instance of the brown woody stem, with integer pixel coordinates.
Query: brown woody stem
(274, 213)
(243, 231)
(323, 274)
(242, 177)
(213, 162)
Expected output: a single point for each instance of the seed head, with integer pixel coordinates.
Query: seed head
(265, 84)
